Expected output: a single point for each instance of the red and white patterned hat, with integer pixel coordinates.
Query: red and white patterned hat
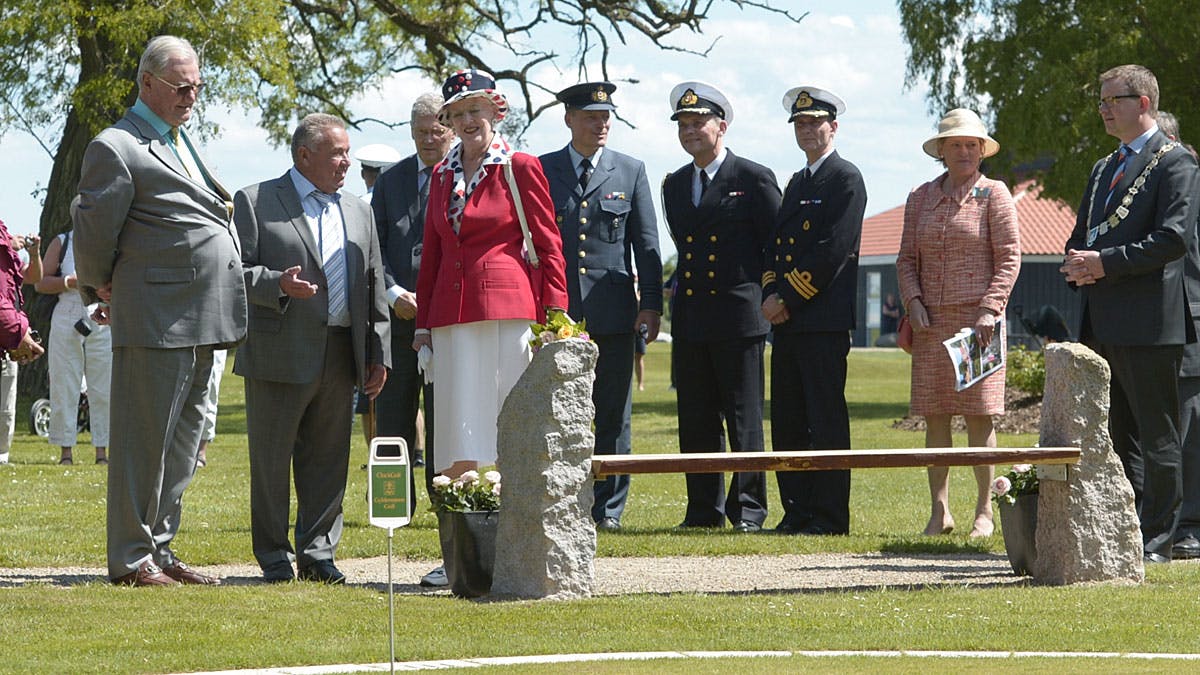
(467, 83)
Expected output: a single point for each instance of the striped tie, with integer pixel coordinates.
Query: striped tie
(333, 256)
(1120, 172)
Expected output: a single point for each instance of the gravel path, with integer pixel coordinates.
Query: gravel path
(679, 574)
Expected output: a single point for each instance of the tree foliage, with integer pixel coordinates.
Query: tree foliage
(67, 67)
(1030, 68)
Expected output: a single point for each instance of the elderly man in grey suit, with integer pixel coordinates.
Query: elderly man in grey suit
(318, 327)
(606, 215)
(153, 239)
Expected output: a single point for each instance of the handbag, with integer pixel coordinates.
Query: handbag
(535, 271)
(904, 335)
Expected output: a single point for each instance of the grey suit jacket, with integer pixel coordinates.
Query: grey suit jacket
(287, 336)
(604, 231)
(163, 240)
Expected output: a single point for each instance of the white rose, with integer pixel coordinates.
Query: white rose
(441, 481)
(1001, 486)
(469, 477)
(1022, 468)
(492, 477)
(496, 489)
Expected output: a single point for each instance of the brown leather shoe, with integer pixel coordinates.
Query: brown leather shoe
(185, 575)
(148, 574)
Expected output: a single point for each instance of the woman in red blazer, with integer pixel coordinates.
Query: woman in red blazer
(476, 292)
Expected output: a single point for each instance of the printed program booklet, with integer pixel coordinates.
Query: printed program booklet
(974, 361)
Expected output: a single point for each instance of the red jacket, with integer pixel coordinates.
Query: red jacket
(480, 274)
(13, 322)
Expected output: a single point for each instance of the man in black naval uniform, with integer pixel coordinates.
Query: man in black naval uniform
(720, 209)
(811, 286)
(606, 216)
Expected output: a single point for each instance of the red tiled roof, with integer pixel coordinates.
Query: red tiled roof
(1045, 225)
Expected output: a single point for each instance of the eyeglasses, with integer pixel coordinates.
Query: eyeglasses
(1110, 101)
(182, 90)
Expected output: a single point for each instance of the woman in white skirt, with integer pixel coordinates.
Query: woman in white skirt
(476, 292)
(79, 348)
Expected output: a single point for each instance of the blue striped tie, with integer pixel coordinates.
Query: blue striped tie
(333, 256)
(1122, 159)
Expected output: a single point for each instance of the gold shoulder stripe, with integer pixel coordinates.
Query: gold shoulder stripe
(802, 282)
(768, 277)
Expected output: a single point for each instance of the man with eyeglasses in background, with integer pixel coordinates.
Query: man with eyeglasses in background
(153, 241)
(1126, 259)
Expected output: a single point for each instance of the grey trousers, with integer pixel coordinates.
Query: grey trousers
(155, 437)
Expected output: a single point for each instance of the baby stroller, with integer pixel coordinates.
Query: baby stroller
(39, 416)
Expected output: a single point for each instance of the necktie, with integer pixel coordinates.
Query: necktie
(333, 258)
(585, 173)
(1121, 161)
(185, 156)
(418, 228)
(703, 186)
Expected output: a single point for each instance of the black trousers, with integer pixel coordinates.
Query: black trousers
(612, 394)
(1189, 434)
(396, 405)
(808, 412)
(1143, 419)
(719, 382)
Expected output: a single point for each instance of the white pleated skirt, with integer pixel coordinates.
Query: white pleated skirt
(475, 366)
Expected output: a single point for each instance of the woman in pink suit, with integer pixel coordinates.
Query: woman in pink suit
(476, 292)
(959, 258)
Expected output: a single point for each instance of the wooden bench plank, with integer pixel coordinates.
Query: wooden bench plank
(819, 460)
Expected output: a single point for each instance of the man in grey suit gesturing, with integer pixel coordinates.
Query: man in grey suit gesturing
(318, 326)
(153, 239)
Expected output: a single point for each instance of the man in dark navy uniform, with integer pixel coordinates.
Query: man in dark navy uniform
(720, 209)
(810, 286)
(606, 216)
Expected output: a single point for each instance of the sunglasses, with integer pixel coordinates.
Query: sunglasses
(181, 89)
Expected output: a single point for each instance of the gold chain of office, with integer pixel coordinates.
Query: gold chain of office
(1121, 211)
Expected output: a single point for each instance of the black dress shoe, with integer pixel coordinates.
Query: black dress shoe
(278, 572)
(608, 524)
(1155, 558)
(1187, 548)
(788, 527)
(323, 571)
(746, 526)
(418, 458)
(687, 525)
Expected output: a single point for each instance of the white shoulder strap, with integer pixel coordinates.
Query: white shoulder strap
(530, 254)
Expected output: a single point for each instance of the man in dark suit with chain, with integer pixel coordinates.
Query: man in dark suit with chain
(720, 209)
(398, 201)
(1125, 256)
(606, 216)
(811, 287)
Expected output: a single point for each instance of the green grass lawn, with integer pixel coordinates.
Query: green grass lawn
(54, 516)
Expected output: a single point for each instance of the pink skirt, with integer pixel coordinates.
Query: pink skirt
(933, 373)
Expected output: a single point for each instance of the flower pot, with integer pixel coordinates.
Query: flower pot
(1019, 523)
(468, 541)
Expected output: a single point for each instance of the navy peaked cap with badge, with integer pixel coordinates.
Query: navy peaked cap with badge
(812, 102)
(588, 96)
(700, 98)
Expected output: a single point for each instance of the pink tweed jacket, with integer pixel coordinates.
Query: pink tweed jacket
(960, 250)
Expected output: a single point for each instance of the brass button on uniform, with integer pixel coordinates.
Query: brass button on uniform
(712, 275)
(687, 256)
(712, 257)
(583, 204)
(788, 258)
(583, 270)
(558, 219)
(583, 254)
(582, 237)
(687, 275)
(689, 291)
(583, 221)
(689, 239)
(713, 238)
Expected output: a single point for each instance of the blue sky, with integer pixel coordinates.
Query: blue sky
(857, 53)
